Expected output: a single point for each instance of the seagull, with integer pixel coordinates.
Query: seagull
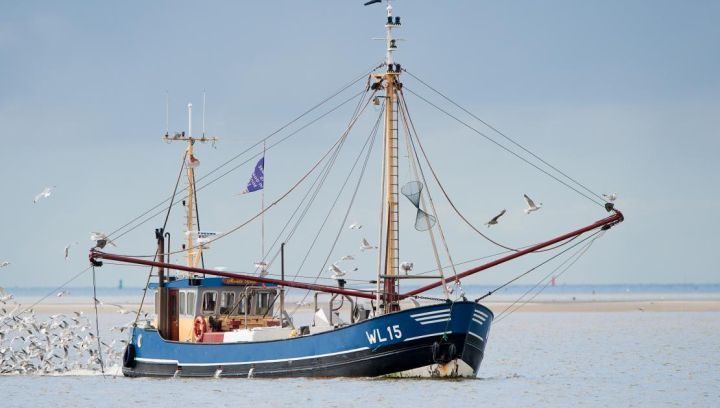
(337, 272)
(355, 225)
(610, 197)
(364, 244)
(347, 258)
(101, 239)
(4, 264)
(43, 194)
(62, 293)
(67, 249)
(531, 205)
(495, 219)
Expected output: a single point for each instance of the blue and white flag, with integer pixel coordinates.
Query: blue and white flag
(257, 180)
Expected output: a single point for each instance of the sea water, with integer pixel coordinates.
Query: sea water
(532, 359)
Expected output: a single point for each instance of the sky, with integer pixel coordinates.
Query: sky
(623, 96)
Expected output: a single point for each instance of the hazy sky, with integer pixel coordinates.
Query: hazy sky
(622, 95)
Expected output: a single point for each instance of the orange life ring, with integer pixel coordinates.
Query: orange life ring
(199, 328)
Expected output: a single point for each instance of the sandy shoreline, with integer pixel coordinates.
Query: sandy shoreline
(549, 306)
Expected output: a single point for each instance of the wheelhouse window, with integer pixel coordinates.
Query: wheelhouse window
(181, 302)
(227, 301)
(262, 302)
(209, 302)
(190, 309)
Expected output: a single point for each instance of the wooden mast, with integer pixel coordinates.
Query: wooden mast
(389, 80)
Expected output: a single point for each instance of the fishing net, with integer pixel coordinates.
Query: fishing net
(412, 190)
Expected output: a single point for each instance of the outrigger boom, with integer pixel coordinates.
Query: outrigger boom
(605, 223)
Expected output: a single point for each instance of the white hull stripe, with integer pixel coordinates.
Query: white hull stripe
(430, 313)
(447, 319)
(475, 335)
(481, 313)
(437, 316)
(427, 335)
(161, 361)
(478, 321)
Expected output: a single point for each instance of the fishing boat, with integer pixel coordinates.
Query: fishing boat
(218, 323)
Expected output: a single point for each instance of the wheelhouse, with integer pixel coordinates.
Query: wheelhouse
(202, 310)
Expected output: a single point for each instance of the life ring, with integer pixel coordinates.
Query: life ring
(199, 328)
(129, 356)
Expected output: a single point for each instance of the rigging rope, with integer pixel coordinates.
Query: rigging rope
(278, 130)
(322, 176)
(536, 267)
(437, 180)
(97, 324)
(233, 168)
(508, 138)
(369, 143)
(576, 257)
(505, 148)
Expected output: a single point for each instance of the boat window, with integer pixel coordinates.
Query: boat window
(181, 302)
(209, 302)
(262, 302)
(227, 301)
(191, 303)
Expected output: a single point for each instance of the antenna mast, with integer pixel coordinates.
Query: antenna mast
(194, 250)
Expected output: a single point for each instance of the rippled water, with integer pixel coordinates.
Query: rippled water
(533, 359)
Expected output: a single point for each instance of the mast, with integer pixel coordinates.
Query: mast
(192, 248)
(390, 81)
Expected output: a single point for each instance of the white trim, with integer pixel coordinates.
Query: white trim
(156, 360)
(437, 316)
(479, 337)
(427, 335)
(161, 361)
(447, 319)
(430, 313)
(482, 313)
(478, 321)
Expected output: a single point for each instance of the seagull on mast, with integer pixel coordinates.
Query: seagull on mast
(610, 197)
(531, 205)
(364, 245)
(101, 239)
(494, 220)
(43, 194)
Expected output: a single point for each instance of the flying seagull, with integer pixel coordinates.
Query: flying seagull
(4, 264)
(364, 244)
(347, 258)
(67, 249)
(101, 239)
(495, 219)
(355, 225)
(337, 272)
(531, 205)
(610, 197)
(43, 194)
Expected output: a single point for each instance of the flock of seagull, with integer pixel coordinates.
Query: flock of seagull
(60, 343)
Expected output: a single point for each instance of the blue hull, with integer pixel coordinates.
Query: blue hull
(383, 345)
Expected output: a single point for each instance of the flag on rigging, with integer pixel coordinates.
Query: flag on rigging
(257, 180)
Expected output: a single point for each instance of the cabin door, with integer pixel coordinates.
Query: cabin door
(173, 322)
